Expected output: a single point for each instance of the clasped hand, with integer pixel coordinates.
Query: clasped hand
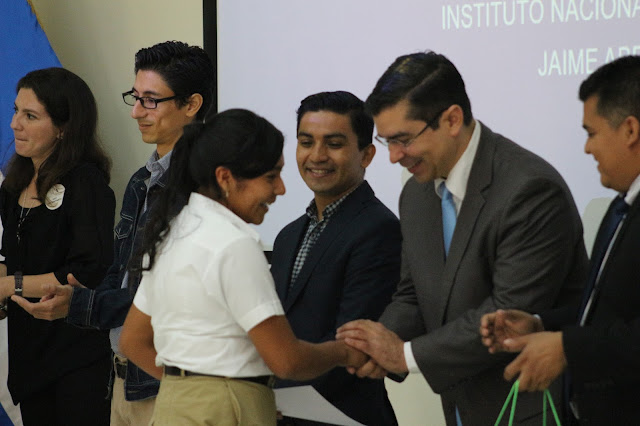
(384, 347)
(541, 359)
(54, 304)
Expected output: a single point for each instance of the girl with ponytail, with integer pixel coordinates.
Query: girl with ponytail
(206, 319)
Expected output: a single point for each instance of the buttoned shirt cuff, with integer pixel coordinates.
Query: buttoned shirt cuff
(412, 365)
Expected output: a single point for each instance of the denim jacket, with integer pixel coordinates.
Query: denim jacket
(107, 306)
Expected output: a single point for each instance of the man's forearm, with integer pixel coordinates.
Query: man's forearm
(103, 310)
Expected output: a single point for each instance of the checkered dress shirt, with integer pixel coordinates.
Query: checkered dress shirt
(314, 229)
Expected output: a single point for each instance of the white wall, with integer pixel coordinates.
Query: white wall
(97, 39)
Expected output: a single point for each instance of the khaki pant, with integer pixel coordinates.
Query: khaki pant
(201, 400)
(129, 413)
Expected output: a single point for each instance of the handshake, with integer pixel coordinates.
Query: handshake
(373, 350)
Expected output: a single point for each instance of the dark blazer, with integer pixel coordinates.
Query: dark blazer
(76, 237)
(350, 273)
(517, 244)
(604, 356)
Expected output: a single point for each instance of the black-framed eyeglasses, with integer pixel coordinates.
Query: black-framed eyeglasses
(406, 143)
(149, 103)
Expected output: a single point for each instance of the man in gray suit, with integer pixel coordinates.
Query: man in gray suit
(486, 224)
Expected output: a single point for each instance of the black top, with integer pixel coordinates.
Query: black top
(71, 236)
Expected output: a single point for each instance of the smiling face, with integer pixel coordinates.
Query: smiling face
(163, 125)
(328, 157)
(34, 132)
(611, 147)
(433, 153)
(250, 198)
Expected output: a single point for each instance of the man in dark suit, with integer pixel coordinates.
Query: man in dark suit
(485, 224)
(340, 260)
(596, 341)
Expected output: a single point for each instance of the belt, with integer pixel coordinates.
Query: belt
(268, 381)
(120, 367)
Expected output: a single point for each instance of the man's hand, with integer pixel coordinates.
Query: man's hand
(73, 282)
(355, 358)
(362, 365)
(370, 369)
(54, 305)
(381, 344)
(540, 362)
(498, 326)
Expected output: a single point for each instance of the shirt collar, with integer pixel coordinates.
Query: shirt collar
(312, 209)
(157, 164)
(202, 203)
(633, 191)
(459, 175)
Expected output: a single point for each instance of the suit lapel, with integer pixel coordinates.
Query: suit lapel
(423, 222)
(338, 223)
(479, 178)
(291, 240)
(634, 211)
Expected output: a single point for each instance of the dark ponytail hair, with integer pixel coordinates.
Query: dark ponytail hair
(245, 143)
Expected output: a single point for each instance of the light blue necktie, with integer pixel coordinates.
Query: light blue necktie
(448, 216)
(448, 225)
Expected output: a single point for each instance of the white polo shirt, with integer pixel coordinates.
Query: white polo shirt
(209, 286)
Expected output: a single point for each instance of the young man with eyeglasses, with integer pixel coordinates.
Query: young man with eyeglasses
(485, 224)
(173, 86)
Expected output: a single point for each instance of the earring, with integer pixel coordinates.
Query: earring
(226, 193)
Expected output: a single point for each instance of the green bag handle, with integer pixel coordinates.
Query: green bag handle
(513, 397)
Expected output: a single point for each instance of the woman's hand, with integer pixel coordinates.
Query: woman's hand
(7, 287)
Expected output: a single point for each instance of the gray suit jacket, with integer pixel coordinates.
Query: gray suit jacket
(517, 244)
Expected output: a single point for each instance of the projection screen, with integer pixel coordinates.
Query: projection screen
(522, 62)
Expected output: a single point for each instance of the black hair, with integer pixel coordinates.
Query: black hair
(617, 86)
(427, 80)
(245, 143)
(341, 102)
(186, 70)
(69, 102)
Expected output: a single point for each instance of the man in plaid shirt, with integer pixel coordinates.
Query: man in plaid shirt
(341, 259)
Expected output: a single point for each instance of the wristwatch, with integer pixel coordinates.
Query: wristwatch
(18, 277)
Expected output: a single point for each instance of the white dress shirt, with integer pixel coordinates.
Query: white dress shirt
(209, 286)
(633, 191)
(456, 183)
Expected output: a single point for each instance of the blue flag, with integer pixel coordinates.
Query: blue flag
(23, 47)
